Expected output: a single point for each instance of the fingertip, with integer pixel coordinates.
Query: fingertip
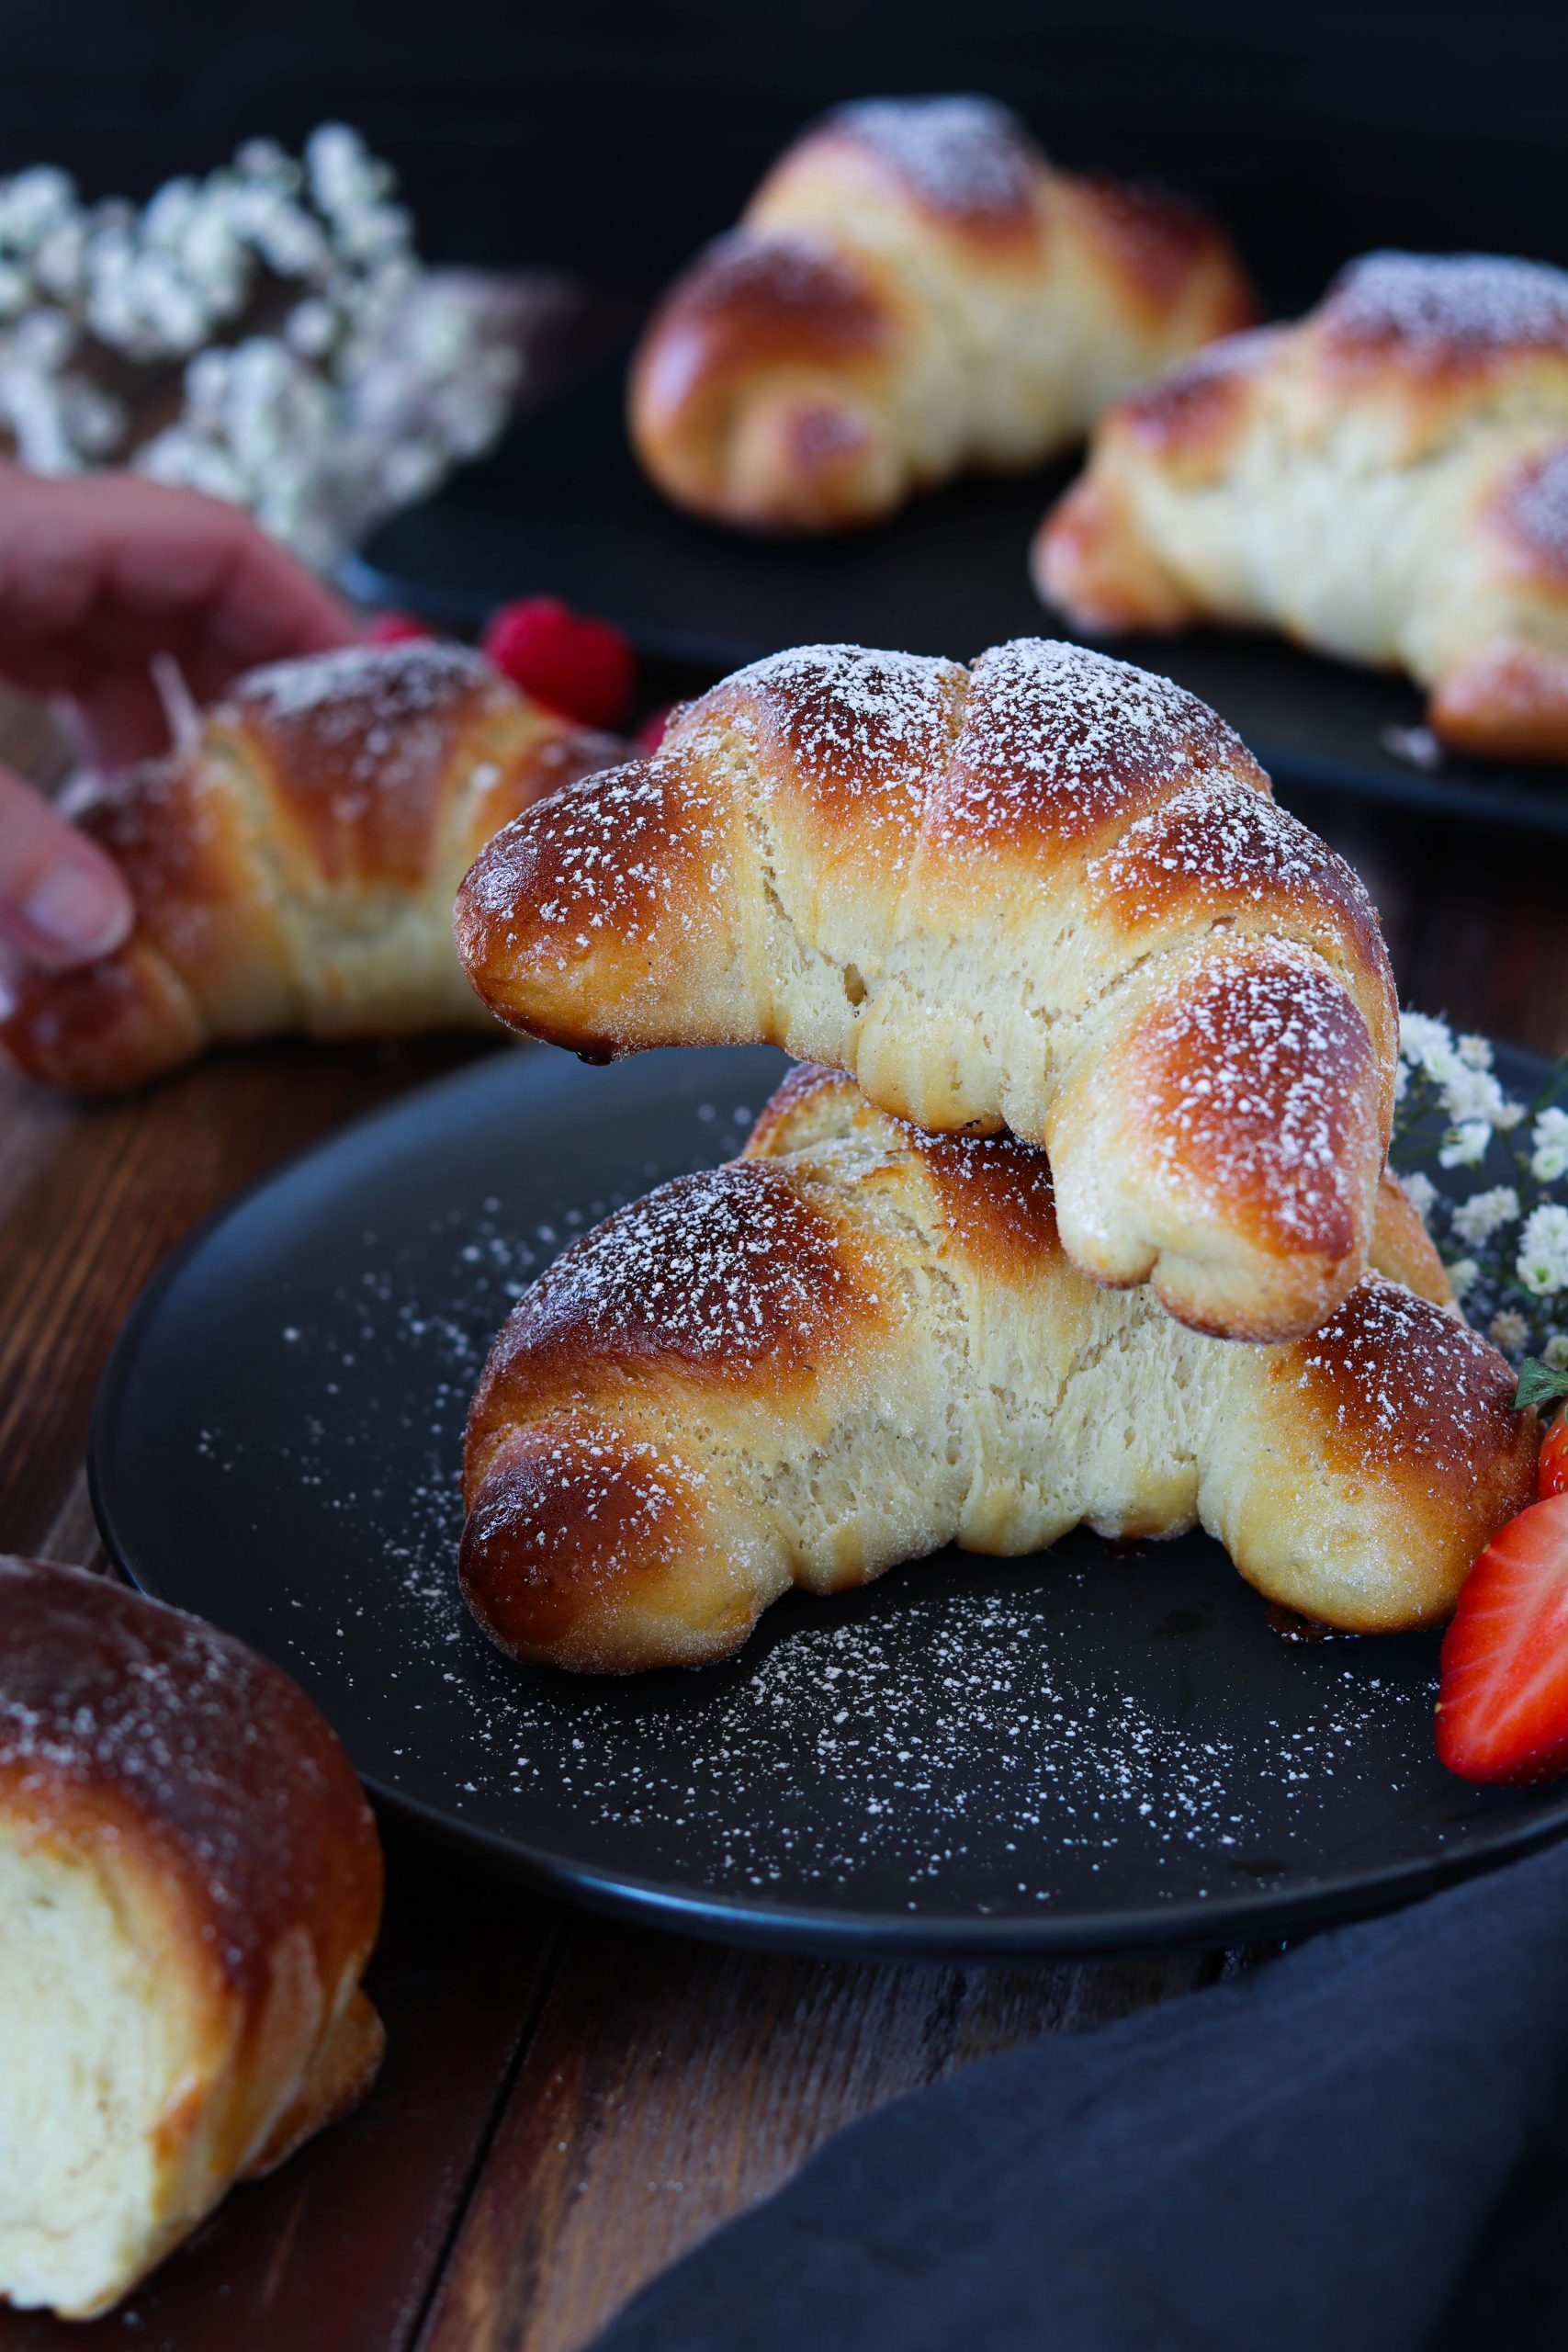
(77, 909)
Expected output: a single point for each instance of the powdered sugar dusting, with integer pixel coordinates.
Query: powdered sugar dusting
(398, 682)
(967, 156)
(616, 853)
(860, 726)
(1398, 1371)
(1534, 508)
(966, 1739)
(1055, 731)
(1226, 844)
(101, 1690)
(1439, 308)
(1254, 1064)
(365, 733)
(726, 1267)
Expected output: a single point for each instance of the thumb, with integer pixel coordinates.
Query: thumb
(61, 900)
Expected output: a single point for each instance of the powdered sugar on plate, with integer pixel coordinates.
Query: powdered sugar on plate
(966, 1739)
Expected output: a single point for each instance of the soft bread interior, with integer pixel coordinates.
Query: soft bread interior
(92, 2064)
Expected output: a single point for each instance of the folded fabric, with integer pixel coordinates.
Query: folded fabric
(1305, 2156)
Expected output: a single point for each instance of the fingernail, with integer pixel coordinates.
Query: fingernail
(76, 910)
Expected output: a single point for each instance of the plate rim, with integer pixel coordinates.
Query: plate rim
(1259, 1915)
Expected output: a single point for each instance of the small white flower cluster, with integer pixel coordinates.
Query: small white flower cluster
(328, 378)
(1508, 1259)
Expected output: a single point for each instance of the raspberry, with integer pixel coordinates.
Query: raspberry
(580, 667)
(394, 628)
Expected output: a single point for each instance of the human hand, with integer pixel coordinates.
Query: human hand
(98, 575)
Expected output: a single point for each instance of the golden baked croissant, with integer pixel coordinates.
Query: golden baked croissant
(190, 1887)
(913, 291)
(861, 1342)
(1387, 481)
(1051, 892)
(294, 870)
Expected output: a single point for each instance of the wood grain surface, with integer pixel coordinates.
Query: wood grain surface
(568, 2104)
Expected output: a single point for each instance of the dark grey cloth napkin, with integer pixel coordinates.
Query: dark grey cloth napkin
(1306, 2159)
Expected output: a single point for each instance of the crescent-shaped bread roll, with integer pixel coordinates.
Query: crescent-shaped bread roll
(190, 1887)
(294, 869)
(1050, 891)
(1386, 481)
(861, 1342)
(913, 291)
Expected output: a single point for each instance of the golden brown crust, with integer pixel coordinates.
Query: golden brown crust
(1509, 701)
(914, 291)
(568, 1524)
(1189, 415)
(1161, 245)
(602, 868)
(996, 1398)
(122, 1719)
(1058, 752)
(196, 1790)
(340, 2079)
(103, 1028)
(359, 752)
(1528, 511)
(1261, 1070)
(1401, 1248)
(728, 1276)
(967, 886)
(298, 860)
(749, 298)
(1386, 481)
(1441, 321)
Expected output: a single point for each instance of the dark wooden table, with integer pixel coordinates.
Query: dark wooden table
(567, 2104)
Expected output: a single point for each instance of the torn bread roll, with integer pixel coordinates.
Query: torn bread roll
(190, 1885)
(1386, 481)
(861, 1342)
(912, 292)
(1049, 891)
(293, 868)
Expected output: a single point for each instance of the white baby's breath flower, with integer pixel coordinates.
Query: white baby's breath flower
(1542, 1263)
(1420, 1192)
(1477, 1219)
(1463, 1274)
(1428, 1043)
(1470, 1094)
(1549, 1137)
(1508, 1330)
(1555, 1351)
(1467, 1146)
(1474, 1052)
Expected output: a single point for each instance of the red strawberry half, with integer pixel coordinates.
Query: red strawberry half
(1503, 1710)
(1553, 1471)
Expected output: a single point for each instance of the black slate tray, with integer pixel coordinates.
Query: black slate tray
(562, 508)
(1094, 1748)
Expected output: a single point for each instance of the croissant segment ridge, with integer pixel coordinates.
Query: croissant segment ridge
(861, 1342)
(1386, 481)
(293, 869)
(1049, 891)
(913, 291)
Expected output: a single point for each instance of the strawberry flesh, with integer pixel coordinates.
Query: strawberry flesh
(1553, 1472)
(1503, 1708)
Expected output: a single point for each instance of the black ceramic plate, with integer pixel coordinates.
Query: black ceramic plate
(563, 507)
(1093, 1749)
